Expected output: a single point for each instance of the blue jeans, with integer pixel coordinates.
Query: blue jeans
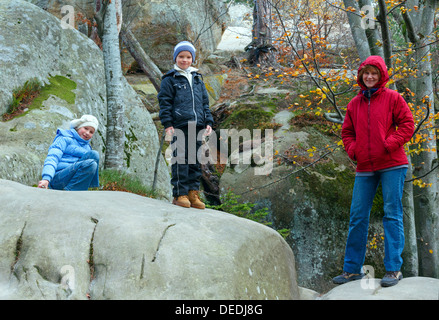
(79, 176)
(392, 183)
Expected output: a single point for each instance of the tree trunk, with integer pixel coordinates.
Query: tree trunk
(108, 25)
(426, 204)
(410, 267)
(358, 32)
(261, 48)
(372, 33)
(385, 33)
(145, 63)
(386, 36)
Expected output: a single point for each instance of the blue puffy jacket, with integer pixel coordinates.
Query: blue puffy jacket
(180, 102)
(67, 148)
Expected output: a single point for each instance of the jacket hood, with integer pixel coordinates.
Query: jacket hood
(378, 62)
(71, 133)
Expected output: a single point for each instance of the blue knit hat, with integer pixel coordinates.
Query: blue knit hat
(184, 46)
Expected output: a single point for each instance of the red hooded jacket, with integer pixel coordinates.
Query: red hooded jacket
(374, 131)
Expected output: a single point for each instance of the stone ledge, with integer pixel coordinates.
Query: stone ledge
(414, 288)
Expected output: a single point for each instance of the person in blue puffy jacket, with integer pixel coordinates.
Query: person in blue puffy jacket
(71, 164)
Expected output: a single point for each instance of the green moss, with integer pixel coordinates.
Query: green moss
(115, 180)
(32, 95)
(334, 188)
(59, 86)
(248, 116)
(207, 82)
(271, 104)
(377, 210)
(129, 145)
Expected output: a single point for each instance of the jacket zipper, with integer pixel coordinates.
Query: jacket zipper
(368, 133)
(193, 99)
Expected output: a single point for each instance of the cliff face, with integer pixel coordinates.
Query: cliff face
(159, 25)
(115, 245)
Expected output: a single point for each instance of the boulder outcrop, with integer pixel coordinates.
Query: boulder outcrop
(116, 245)
(313, 202)
(414, 288)
(159, 25)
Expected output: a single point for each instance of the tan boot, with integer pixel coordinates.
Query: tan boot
(194, 198)
(182, 201)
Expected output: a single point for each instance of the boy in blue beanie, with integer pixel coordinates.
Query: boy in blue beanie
(184, 105)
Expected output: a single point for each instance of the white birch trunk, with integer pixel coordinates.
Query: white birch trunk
(410, 267)
(419, 30)
(115, 139)
(358, 32)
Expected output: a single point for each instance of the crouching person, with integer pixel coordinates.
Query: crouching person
(71, 164)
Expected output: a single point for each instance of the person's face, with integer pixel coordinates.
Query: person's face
(184, 60)
(371, 78)
(86, 132)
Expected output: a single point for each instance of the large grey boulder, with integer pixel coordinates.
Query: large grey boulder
(34, 45)
(115, 245)
(160, 24)
(414, 288)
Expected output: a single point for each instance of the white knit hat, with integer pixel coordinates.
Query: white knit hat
(86, 120)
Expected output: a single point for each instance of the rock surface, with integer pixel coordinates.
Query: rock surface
(238, 33)
(414, 288)
(312, 203)
(115, 245)
(159, 25)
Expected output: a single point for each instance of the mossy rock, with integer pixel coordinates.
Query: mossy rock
(332, 185)
(59, 86)
(248, 116)
(214, 86)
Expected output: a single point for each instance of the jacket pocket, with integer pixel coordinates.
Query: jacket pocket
(180, 114)
(351, 151)
(181, 92)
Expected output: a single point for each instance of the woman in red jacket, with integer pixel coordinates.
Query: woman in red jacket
(378, 123)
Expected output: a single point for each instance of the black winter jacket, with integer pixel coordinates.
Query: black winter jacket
(179, 103)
